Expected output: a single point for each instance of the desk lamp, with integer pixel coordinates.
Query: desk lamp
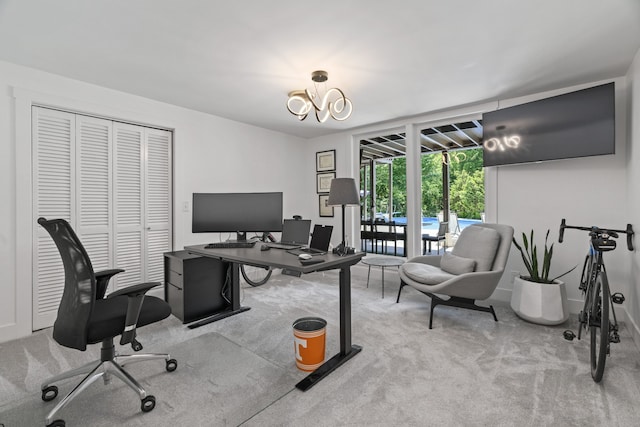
(343, 192)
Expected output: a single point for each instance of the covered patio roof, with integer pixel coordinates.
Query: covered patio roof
(454, 136)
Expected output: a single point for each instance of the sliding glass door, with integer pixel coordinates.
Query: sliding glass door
(451, 180)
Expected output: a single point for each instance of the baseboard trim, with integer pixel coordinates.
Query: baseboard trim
(633, 328)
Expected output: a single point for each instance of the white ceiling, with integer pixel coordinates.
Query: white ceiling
(239, 59)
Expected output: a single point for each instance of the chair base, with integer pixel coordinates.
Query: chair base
(110, 364)
(467, 303)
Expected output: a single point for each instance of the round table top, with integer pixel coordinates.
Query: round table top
(383, 261)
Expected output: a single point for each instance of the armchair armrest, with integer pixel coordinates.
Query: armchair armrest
(102, 280)
(135, 296)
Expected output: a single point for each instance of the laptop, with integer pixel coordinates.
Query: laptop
(295, 234)
(320, 240)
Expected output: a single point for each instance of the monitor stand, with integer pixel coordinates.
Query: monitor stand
(241, 236)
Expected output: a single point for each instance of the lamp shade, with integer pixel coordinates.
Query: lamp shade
(343, 192)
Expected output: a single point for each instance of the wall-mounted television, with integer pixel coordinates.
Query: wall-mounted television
(576, 124)
(236, 213)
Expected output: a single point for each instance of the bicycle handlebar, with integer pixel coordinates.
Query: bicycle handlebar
(613, 233)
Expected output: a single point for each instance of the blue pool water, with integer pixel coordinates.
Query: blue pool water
(432, 222)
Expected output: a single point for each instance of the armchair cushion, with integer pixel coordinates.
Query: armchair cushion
(479, 244)
(425, 273)
(456, 264)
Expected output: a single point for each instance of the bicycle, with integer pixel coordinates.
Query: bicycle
(598, 314)
(257, 275)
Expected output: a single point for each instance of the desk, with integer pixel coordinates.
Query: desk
(282, 259)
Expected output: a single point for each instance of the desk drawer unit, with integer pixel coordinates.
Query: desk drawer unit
(193, 285)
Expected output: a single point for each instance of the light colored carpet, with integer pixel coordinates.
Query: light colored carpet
(468, 370)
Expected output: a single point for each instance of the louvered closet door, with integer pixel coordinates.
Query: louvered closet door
(93, 221)
(112, 182)
(53, 140)
(158, 206)
(129, 203)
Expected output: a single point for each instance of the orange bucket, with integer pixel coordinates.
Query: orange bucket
(309, 342)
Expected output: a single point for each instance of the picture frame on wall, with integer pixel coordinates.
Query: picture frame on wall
(323, 182)
(326, 161)
(323, 203)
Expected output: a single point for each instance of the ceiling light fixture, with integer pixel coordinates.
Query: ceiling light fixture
(332, 102)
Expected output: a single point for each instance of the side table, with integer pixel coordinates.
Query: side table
(381, 262)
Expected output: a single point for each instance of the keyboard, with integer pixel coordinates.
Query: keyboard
(228, 245)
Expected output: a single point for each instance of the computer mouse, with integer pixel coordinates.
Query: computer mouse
(265, 247)
(305, 256)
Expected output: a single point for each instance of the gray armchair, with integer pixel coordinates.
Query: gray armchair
(470, 272)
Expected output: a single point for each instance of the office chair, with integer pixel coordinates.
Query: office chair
(86, 316)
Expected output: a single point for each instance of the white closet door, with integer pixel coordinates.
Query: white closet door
(112, 182)
(94, 164)
(53, 139)
(158, 201)
(129, 203)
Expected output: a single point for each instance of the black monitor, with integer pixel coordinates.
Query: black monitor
(237, 213)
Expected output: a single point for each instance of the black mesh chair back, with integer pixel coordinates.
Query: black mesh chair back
(79, 295)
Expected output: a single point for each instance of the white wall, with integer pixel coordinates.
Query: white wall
(585, 191)
(210, 154)
(632, 304)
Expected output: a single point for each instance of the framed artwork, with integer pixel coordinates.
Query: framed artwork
(323, 184)
(326, 161)
(325, 209)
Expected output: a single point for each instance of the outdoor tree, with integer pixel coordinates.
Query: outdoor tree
(466, 184)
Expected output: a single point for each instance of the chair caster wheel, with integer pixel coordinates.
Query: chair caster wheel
(568, 335)
(148, 403)
(135, 345)
(172, 365)
(57, 423)
(49, 393)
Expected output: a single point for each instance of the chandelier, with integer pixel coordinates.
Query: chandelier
(325, 102)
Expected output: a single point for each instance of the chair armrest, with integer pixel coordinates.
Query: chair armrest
(102, 280)
(135, 295)
(134, 290)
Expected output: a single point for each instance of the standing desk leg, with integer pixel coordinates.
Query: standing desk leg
(347, 350)
(234, 307)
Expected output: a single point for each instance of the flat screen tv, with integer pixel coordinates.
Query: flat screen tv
(236, 213)
(576, 124)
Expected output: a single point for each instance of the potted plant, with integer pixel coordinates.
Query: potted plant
(536, 297)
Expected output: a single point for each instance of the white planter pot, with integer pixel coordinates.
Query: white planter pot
(541, 303)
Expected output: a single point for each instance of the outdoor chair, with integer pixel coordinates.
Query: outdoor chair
(440, 237)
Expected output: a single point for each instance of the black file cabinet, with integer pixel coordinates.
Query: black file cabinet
(193, 285)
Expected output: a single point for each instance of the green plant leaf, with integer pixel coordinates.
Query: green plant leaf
(538, 272)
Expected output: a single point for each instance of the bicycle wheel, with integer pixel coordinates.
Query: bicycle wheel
(599, 325)
(255, 276)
